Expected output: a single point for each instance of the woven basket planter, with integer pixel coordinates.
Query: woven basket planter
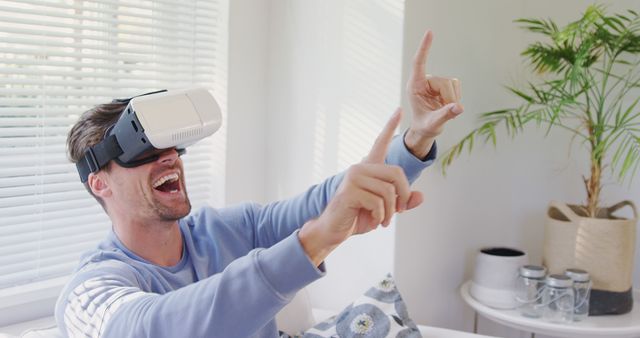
(603, 246)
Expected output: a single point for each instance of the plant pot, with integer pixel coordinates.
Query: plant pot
(603, 246)
(495, 275)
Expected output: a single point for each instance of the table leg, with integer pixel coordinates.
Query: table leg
(475, 321)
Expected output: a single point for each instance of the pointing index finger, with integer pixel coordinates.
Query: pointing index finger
(378, 152)
(420, 59)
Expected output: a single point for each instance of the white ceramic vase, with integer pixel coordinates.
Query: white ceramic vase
(495, 276)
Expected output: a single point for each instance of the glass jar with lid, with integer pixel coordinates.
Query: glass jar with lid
(582, 292)
(531, 281)
(558, 299)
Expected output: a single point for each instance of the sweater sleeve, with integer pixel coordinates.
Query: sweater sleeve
(277, 220)
(238, 302)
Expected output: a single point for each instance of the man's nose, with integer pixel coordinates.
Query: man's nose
(168, 156)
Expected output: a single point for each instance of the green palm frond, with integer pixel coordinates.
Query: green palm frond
(626, 159)
(592, 69)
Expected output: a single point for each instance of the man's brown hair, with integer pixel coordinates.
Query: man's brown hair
(90, 130)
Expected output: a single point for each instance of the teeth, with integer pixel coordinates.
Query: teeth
(163, 179)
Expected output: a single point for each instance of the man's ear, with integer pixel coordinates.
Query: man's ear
(99, 185)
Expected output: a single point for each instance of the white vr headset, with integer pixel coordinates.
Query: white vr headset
(154, 121)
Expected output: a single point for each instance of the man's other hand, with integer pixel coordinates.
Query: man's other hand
(434, 101)
(369, 195)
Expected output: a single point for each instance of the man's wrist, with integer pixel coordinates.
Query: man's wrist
(313, 242)
(418, 144)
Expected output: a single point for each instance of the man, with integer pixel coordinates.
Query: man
(227, 272)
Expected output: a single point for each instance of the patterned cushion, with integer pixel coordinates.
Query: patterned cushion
(380, 312)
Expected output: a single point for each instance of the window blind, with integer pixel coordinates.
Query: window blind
(57, 59)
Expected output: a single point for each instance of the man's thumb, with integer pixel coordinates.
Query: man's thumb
(415, 200)
(449, 111)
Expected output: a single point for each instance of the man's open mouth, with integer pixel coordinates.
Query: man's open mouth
(168, 183)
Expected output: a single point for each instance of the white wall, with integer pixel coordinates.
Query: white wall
(334, 77)
(310, 85)
(492, 197)
(315, 80)
(247, 98)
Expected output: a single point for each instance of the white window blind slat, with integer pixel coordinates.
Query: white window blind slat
(106, 8)
(39, 112)
(18, 41)
(38, 273)
(29, 190)
(81, 220)
(92, 4)
(87, 237)
(25, 131)
(30, 258)
(20, 181)
(70, 17)
(99, 74)
(34, 121)
(46, 207)
(144, 43)
(127, 24)
(28, 141)
(17, 220)
(59, 58)
(170, 6)
(42, 198)
(26, 161)
(54, 235)
(60, 92)
(31, 150)
(34, 170)
(37, 19)
(203, 59)
(34, 260)
(74, 63)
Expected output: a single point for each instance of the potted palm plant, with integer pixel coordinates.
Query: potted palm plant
(590, 87)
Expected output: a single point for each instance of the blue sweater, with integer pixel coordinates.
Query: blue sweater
(240, 265)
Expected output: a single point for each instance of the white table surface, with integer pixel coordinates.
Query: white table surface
(627, 325)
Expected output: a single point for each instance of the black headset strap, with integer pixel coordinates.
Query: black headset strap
(97, 156)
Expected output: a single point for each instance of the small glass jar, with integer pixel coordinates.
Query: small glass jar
(529, 290)
(558, 299)
(581, 291)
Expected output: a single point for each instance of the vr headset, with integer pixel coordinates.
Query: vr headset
(152, 122)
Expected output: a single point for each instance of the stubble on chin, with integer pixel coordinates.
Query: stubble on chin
(163, 212)
(174, 212)
(169, 214)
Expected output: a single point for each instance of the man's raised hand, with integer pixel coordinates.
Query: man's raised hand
(434, 101)
(370, 193)
(406, 199)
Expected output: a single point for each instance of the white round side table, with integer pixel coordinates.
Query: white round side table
(627, 325)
